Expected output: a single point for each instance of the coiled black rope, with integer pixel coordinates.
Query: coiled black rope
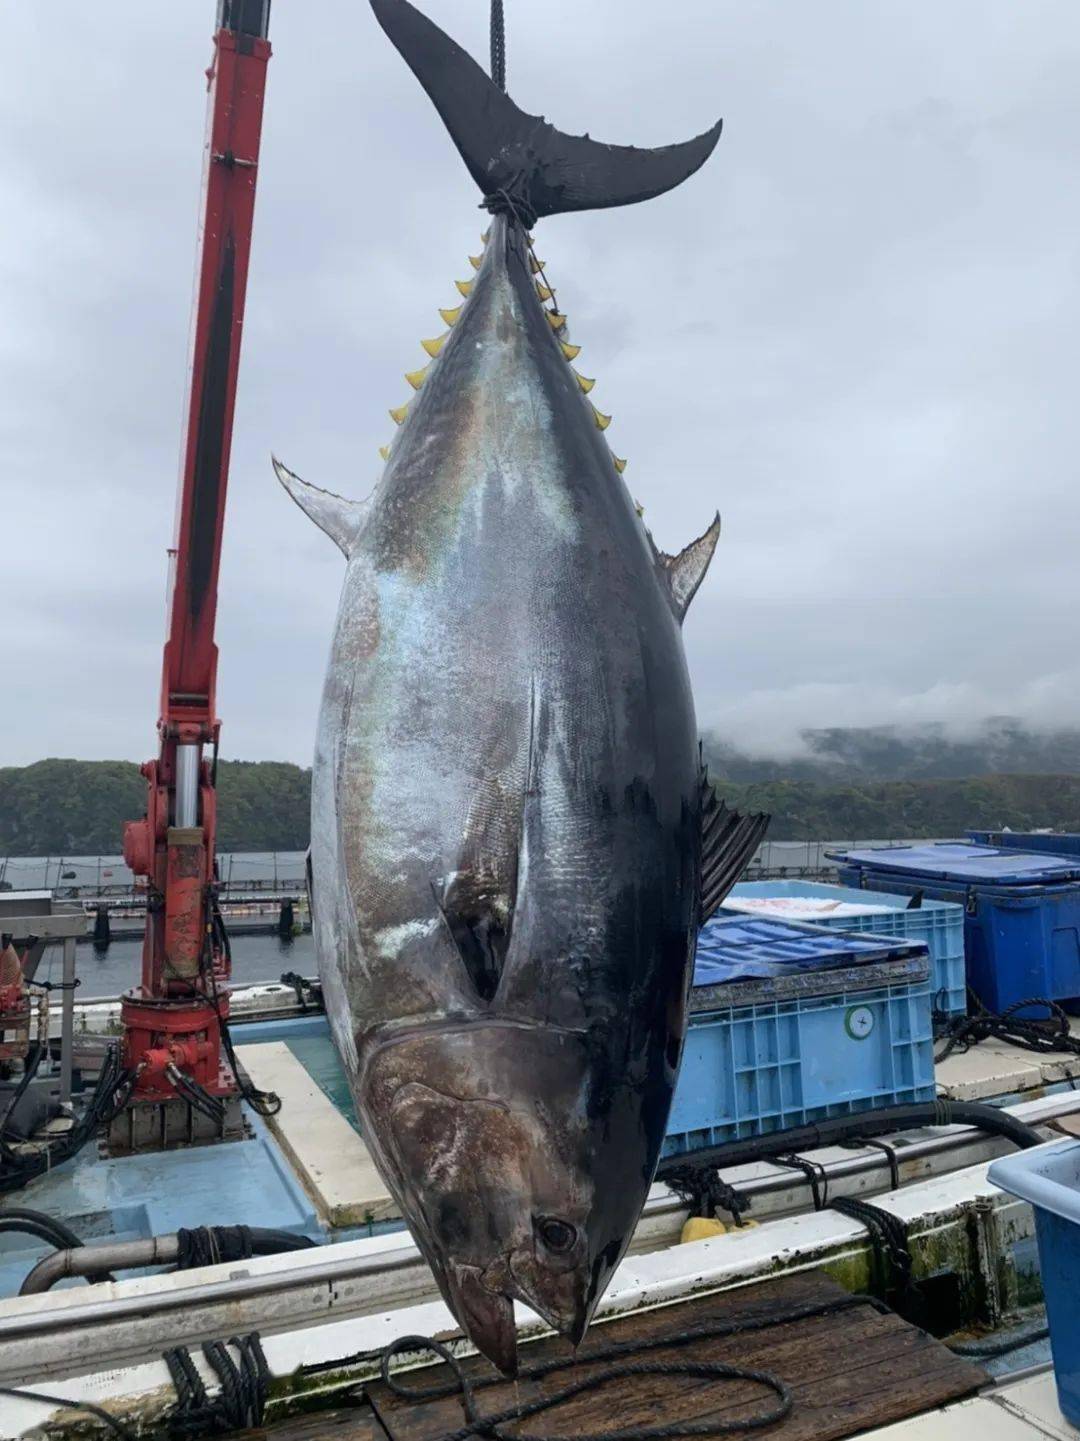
(706, 1192)
(1041, 1034)
(890, 1239)
(241, 1401)
(990, 1347)
(493, 1426)
(814, 1172)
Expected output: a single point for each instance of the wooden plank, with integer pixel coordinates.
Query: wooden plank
(331, 1160)
(847, 1371)
(739, 1305)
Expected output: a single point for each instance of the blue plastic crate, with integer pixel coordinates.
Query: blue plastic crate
(801, 1044)
(1049, 1178)
(939, 925)
(1021, 939)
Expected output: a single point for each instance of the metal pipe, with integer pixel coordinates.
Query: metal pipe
(67, 1021)
(91, 1260)
(187, 786)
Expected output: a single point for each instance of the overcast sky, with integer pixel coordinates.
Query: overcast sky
(855, 332)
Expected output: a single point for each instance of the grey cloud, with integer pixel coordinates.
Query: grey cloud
(855, 332)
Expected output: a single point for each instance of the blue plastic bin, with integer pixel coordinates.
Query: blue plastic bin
(1065, 843)
(1049, 1177)
(1022, 912)
(962, 860)
(838, 1024)
(939, 925)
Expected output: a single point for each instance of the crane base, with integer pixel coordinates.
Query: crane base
(166, 1125)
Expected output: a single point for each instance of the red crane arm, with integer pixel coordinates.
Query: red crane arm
(237, 79)
(177, 1008)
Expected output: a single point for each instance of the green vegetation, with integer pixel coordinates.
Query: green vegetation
(897, 810)
(65, 807)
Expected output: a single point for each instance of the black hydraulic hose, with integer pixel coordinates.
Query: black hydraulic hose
(850, 1128)
(24, 1221)
(109, 1096)
(29, 1072)
(60, 1233)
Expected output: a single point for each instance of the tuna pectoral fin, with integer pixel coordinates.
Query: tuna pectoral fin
(342, 519)
(686, 571)
(506, 150)
(728, 841)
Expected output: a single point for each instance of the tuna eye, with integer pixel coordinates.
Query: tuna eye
(558, 1236)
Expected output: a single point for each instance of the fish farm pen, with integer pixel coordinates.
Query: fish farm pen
(264, 893)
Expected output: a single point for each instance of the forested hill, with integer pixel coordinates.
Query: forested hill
(65, 807)
(899, 810)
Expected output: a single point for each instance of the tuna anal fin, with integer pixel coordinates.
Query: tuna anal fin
(508, 151)
(342, 519)
(686, 571)
(728, 841)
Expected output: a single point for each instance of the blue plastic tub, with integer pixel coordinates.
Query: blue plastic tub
(1065, 843)
(837, 1024)
(1049, 1177)
(963, 861)
(1022, 912)
(939, 925)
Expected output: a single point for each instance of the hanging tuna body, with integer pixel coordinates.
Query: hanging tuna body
(512, 841)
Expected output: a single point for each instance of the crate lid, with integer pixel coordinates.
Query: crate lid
(745, 948)
(969, 864)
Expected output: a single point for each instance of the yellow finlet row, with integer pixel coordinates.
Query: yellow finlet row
(557, 321)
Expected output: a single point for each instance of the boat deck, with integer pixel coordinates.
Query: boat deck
(848, 1366)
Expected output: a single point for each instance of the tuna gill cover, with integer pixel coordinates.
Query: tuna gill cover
(513, 840)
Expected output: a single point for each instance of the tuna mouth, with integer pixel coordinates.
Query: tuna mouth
(487, 1317)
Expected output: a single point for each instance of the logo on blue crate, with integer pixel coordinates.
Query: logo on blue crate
(859, 1022)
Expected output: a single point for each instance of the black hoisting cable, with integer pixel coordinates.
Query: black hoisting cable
(498, 44)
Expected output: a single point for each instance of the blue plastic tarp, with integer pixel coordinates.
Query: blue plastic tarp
(748, 948)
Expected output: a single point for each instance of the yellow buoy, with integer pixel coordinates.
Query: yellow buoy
(701, 1228)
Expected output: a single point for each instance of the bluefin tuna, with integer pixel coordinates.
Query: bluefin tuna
(513, 842)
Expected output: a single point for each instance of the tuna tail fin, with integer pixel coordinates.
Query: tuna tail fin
(519, 161)
(728, 841)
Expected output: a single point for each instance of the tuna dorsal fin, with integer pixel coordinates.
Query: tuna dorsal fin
(728, 841)
(342, 519)
(686, 571)
(506, 151)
